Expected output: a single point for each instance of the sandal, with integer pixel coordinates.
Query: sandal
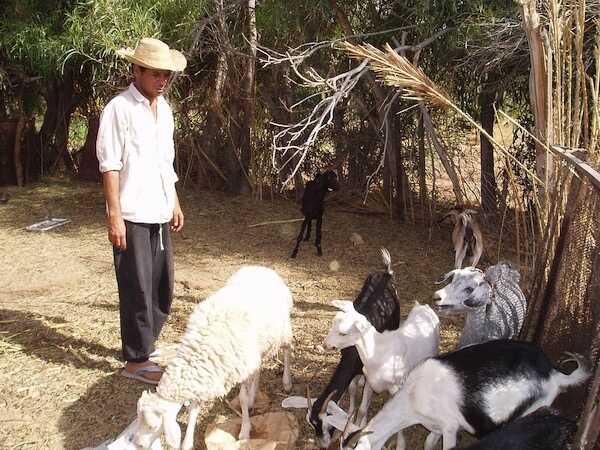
(138, 374)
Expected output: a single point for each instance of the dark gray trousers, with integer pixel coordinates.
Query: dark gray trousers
(145, 281)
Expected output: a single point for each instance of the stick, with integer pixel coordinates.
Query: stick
(272, 222)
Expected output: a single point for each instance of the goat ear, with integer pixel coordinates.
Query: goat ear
(361, 323)
(172, 430)
(343, 305)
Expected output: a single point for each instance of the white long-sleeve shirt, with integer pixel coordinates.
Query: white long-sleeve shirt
(140, 146)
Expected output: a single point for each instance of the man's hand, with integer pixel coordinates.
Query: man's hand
(177, 220)
(117, 232)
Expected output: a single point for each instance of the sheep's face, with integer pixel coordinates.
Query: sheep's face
(157, 416)
(468, 290)
(347, 328)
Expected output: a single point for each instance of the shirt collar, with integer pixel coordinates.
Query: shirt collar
(138, 95)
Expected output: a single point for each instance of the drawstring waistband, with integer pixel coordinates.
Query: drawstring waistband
(160, 237)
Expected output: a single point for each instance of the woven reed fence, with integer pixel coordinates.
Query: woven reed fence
(564, 297)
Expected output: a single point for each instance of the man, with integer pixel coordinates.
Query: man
(135, 150)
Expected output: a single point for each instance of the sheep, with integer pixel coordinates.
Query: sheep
(478, 388)
(387, 357)
(313, 207)
(493, 302)
(226, 338)
(544, 429)
(466, 236)
(378, 302)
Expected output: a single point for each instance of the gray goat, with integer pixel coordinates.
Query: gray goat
(492, 301)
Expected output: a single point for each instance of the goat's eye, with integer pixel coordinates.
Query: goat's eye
(469, 290)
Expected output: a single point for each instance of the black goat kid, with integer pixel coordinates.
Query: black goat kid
(378, 302)
(312, 206)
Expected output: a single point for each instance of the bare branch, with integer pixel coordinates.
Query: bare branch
(298, 138)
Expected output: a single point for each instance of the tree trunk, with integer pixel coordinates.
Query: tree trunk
(489, 188)
(53, 137)
(247, 104)
(421, 162)
(443, 154)
(279, 99)
(88, 161)
(393, 145)
(538, 80)
(18, 160)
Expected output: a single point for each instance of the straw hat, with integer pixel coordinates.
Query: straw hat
(154, 54)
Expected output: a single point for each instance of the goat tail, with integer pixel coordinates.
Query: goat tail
(576, 377)
(387, 260)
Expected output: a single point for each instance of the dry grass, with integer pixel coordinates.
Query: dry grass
(59, 334)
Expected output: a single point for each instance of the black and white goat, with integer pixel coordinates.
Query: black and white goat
(478, 388)
(544, 429)
(313, 201)
(492, 301)
(466, 236)
(378, 302)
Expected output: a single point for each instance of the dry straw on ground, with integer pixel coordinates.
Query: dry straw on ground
(59, 333)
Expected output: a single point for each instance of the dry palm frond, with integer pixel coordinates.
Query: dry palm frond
(395, 70)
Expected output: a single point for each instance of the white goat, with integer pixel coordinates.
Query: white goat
(388, 357)
(493, 302)
(226, 338)
(478, 388)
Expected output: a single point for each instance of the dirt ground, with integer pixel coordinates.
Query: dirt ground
(60, 386)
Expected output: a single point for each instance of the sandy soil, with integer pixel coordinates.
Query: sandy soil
(60, 386)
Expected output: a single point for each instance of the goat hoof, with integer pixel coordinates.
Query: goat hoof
(293, 255)
(319, 252)
(244, 434)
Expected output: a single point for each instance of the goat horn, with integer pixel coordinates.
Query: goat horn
(448, 275)
(326, 402)
(354, 439)
(309, 405)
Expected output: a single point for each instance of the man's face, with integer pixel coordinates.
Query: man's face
(151, 82)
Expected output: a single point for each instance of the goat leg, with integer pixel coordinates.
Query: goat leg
(287, 378)
(244, 398)
(318, 238)
(432, 439)
(363, 409)
(448, 439)
(188, 440)
(308, 230)
(299, 238)
(400, 441)
(352, 388)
